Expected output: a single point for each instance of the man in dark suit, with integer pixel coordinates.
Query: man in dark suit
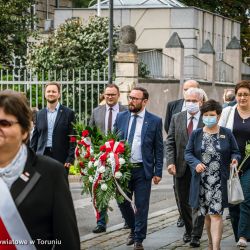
(181, 126)
(175, 107)
(53, 128)
(104, 117)
(143, 131)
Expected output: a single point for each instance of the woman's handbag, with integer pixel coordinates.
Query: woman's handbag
(234, 189)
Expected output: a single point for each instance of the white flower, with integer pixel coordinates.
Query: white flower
(96, 163)
(121, 161)
(90, 164)
(101, 169)
(104, 187)
(108, 160)
(118, 175)
(91, 179)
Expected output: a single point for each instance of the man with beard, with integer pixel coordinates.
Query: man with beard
(53, 127)
(143, 131)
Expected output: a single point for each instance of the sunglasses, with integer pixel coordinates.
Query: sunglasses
(6, 123)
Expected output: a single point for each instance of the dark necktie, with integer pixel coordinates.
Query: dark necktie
(190, 126)
(132, 130)
(110, 120)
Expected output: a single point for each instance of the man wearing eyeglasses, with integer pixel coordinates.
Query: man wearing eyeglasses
(143, 131)
(104, 117)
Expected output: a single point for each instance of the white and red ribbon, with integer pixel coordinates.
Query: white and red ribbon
(13, 233)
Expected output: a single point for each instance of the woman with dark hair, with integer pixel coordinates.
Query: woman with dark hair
(35, 205)
(209, 153)
(237, 119)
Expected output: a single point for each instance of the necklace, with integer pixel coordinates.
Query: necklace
(244, 114)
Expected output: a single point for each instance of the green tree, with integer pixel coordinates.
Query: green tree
(235, 9)
(73, 45)
(15, 28)
(83, 3)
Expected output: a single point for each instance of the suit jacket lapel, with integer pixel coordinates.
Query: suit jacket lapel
(144, 126)
(200, 123)
(102, 115)
(182, 125)
(127, 118)
(58, 116)
(25, 183)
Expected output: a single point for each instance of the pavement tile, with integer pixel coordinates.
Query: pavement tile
(162, 234)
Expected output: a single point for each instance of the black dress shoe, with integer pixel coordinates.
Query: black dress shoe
(130, 239)
(138, 246)
(180, 222)
(99, 229)
(186, 238)
(126, 226)
(195, 242)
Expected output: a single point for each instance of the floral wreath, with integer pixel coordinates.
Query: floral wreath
(104, 165)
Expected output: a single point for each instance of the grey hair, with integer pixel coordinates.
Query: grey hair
(195, 91)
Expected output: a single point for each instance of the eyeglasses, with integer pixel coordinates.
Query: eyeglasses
(243, 95)
(131, 98)
(6, 123)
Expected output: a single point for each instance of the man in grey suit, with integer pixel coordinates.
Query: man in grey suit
(104, 117)
(175, 107)
(181, 126)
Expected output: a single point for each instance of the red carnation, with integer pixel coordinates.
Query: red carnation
(72, 139)
(102, 148)
(81, 164)
(85, 133)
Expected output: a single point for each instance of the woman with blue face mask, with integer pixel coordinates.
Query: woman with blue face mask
(209, 153)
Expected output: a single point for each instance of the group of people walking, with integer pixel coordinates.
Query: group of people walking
(203, 141)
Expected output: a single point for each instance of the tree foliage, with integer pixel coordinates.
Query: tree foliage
(83, 3)
(73, 44)
(15, 24)
(235, 9)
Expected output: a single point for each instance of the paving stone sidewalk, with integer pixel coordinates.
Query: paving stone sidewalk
(162, 234)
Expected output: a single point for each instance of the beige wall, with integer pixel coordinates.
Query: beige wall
(155, 26)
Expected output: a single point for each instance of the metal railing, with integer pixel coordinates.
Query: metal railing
(195, 68)
(80, 90)
(158, 64)
(223, 72)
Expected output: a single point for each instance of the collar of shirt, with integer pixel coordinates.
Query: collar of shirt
(140, 114)
(196, 116)
(56, 109)
(115, 107)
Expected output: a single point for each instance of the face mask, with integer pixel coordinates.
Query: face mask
(209, 121)
(192, 107)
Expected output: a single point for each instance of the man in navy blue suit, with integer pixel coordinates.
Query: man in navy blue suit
(143, 131)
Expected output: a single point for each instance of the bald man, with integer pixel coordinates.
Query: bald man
(173, 108)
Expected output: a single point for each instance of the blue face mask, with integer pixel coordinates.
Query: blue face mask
(209, 121)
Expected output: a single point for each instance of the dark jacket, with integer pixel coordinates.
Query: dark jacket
(228, 149)
(173, 107)
(46, 208)
(63, 150)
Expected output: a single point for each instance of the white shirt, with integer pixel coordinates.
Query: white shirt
(184, 106)
(195, 119)
(115, 111)
(136, 155)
